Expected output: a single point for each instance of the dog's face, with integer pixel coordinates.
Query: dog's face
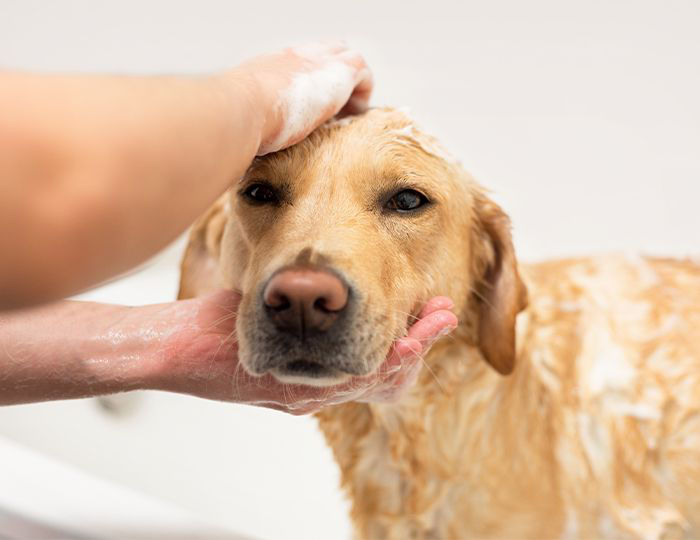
(336, 243)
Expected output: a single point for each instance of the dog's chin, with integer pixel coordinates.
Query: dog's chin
(332, 378)
(302, 372)
(310, 373)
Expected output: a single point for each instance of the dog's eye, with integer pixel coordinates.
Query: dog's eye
(261, 193)
(406, 200)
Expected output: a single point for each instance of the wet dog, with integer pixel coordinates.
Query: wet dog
(567, 404)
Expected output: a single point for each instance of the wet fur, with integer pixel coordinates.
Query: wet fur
(595, 432)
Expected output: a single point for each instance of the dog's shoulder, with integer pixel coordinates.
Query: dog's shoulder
(613, 343)
(608, 324)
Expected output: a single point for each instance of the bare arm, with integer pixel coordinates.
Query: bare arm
(80, 349)
(104, 171)
(97, 173)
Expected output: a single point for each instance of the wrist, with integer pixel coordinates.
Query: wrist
(142, 346)
(247, 103)
(199, 355)
(155, 347)
(172, 347)
(122, 347)
(119, 352)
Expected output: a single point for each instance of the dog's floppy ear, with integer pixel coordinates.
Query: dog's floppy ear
(199, 270)
(499, 291)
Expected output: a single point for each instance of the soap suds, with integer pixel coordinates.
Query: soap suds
(307, 97)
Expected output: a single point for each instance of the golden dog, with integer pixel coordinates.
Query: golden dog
(581, 421)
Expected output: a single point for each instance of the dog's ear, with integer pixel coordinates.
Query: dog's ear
(199, 269)
(499, 292)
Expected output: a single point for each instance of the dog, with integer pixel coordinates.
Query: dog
(566, 404)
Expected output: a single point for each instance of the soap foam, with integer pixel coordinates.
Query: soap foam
(308, 95)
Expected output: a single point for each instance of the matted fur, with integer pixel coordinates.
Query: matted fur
(595, 432)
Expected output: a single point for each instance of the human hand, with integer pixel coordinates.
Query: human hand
(302, 87)
(201, 359)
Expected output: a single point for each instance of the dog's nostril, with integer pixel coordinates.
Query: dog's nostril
(322, 305)
(279, 303)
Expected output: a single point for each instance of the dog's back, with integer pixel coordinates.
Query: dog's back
(613, 341)
(595, 434)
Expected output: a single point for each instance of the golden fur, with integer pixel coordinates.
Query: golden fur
(595, 432)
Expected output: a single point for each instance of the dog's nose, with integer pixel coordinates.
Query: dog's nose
(304, 300)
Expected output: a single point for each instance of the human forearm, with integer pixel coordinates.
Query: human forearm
(79, 349)
(113, 168)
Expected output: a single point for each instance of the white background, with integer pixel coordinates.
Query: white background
(583, 118)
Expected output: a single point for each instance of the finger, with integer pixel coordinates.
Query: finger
(436, 304)
(394, 385)
(411, 344)
(358, 102)
(288, 409)
(364, 83)
(405, 347)
(409, 363)
(433, 326)
(407, 376)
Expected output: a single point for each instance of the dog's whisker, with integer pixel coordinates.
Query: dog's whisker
(220, 320)
(228, 339)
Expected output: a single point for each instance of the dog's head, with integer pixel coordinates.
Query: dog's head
(336, 243)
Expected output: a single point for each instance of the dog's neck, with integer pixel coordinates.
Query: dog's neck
(461, 410)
